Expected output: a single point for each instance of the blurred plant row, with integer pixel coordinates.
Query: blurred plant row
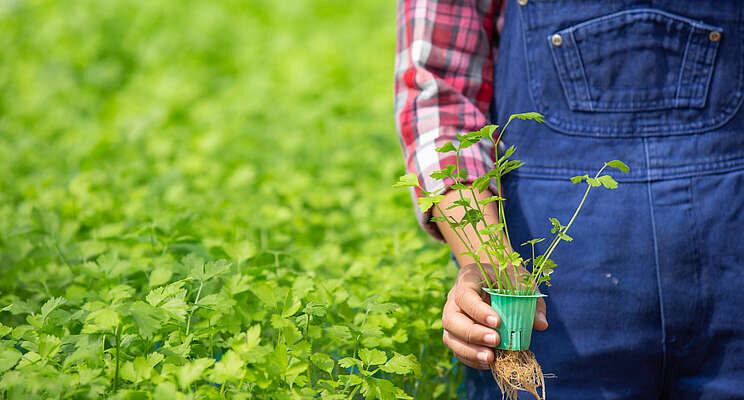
(195, 203)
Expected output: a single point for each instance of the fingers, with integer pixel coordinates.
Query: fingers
(473, 365)
(473, 355)
(461, 326)
(473, 305)
(541, 321)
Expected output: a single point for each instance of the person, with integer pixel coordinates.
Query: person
(646, 302)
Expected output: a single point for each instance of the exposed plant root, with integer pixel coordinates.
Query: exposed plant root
(517, 370)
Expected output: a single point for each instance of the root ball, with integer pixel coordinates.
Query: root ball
(517, 370)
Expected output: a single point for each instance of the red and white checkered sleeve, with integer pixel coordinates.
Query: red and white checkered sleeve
(444, 84)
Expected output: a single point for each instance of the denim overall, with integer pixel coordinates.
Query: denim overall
(647, 301)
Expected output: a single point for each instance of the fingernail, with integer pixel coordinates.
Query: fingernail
(483, 356)
(493, 321)
(490, 339)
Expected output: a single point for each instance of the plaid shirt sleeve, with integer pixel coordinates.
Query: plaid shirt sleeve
(444, 84)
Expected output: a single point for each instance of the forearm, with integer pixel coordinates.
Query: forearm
(472, 239)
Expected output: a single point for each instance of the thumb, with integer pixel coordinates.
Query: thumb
(541, 321)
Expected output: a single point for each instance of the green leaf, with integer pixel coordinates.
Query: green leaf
(593, 182)
(446, 148)
(9, 357)
(407, 180)
(229, 368)
(425, 203)
(401, 365)
(291, 306)
(482, 183)
(50, 305)
(556, 225)
(192, 371)
(147, 318)
(348, 362)
(507, 153)
(607, 182)
(323, 362)
(466, 141)
(316, 309)
(372, 356)
(160, 276)
(253, 337)
(490, 200)
(104, 319)
(510, 166)
(579, 178)
(619, 165)
(565, 237)
(158, 295)
(528, 115)
(459, 186)
(538, 240)
(339, 332)
(486, 132)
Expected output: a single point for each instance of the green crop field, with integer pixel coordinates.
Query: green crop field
(196, 202)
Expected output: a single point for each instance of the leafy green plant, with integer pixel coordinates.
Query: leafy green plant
(152, 218)
(493, 239)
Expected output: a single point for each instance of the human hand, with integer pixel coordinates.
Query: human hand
(469, 321)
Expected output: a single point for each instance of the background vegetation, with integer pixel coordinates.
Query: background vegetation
(195, 202)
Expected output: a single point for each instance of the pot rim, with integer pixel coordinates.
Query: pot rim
(494, 293)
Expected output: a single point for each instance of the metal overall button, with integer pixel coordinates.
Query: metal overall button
(557, 40)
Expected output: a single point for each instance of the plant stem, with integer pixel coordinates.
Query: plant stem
(467, 246)
(117, 333)
(198, 293)
(558, 238)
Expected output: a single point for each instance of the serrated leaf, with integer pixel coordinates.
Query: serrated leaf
(158, 295)
(253, 336)
(147, 318)
(50, 306)
(229, 368)
(316, 309)
(9, 357)
(401, 365)
(104, 319)
(338, 332)
(579, 178)
(192, 371)
(372, 356)
(593, 182)
(323, 362)
(425, 203)
(607, 182)
(619, 165)
(528, 115)
(348, 362)
(160, 276)
(487, 131)
(446, 148)
(291, 306)
(407, 180)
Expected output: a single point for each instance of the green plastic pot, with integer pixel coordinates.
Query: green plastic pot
(517, 314)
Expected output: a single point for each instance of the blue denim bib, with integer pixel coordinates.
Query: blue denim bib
(646, 301)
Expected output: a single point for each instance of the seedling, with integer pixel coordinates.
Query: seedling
(493, 239)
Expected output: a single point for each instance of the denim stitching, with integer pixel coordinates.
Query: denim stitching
(656, 262)
(682, 67)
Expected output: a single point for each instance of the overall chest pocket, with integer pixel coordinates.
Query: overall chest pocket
(601, 69)
(635, 60)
